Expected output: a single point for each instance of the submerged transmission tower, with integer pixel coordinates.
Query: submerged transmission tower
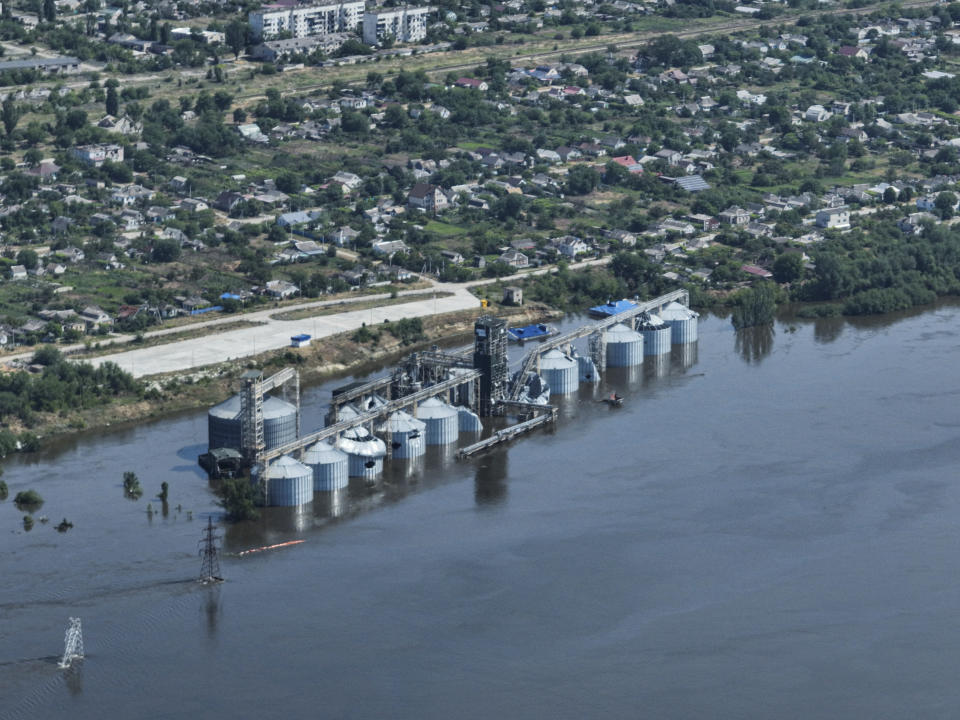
(72, 644)
(210, 565)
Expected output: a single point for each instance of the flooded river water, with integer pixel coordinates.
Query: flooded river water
(769, 532)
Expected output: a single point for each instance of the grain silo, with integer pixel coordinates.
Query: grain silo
(656, 334)
(442, 420)
(279, 423)
(329, 465)
(469, 421)
(588, 370)
(289, 482)
(405, 434)
(683, 323)
(364, 453)
(559, 372)
(624, 346)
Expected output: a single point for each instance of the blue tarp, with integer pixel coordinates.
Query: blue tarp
(229, 296)
(201, 311)
(612, 308)
(528, 332)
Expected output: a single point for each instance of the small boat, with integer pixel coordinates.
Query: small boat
(530, 332)
(614, 400)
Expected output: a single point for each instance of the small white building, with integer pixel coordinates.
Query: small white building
(834, 218)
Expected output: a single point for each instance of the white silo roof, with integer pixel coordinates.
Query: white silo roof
(286, 467)
(555, 360)
(402, 421)
(677, 311)
(323, 453)
(435, 408)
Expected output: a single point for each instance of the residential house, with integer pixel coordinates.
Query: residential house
(834, 218)
(473, 84)
(227, 200)
(348, 181)
(452, 256)
(18, 272)
(734, 216)
(428, 198)
(514, 258)
(281, 289)
(96, 155)
(570, 246)
(194, 205)
(816, 113)
(95, 317)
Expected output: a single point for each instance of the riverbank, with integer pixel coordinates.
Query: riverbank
(329, 357)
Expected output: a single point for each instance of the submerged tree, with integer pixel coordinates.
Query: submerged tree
(755, 306)
(131, 485)
(238, 497)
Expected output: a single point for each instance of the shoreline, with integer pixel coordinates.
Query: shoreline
(329, 357)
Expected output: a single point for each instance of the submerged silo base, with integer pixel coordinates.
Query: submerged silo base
(588, 370)
(469, 421)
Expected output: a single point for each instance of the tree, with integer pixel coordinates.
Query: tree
(131, 485)
(239, 498)
(10, 114)
(239, 115)
(582, 180)
(28, 258)
(113, 102)
(788, 267)
(49, 10)
(755, 306)
(166, 250)
(164, 491)
(945, 204)
(236, 36)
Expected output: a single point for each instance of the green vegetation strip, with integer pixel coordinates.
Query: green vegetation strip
(307, 313)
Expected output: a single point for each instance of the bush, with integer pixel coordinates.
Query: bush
(29, 499)
(239, 498)
(4, 492)
(131, 485)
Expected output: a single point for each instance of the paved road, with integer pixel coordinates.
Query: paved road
(275, 334)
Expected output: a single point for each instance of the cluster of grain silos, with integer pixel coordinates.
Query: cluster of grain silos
(224, 423)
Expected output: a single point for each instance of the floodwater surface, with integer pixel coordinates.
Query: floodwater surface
(767, 528)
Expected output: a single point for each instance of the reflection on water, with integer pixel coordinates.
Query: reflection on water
(683, 357)
(211, 607)
(624, 379)
(490, 486)
(73, 678)
(754, 343)
(655, 367)
(826, 330)
(331, 504)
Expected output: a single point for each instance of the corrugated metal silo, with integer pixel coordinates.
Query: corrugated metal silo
(469, 421)
(279, 423)
(624, 346)
(656, 334)
(289, 482)
(683, 323)
(588, 370)
(443, 425)
(329, 465)
(559, 372)
(406, 435)
(364, 453)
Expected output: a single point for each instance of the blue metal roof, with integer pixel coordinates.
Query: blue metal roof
(528, 332)
(613, 307)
